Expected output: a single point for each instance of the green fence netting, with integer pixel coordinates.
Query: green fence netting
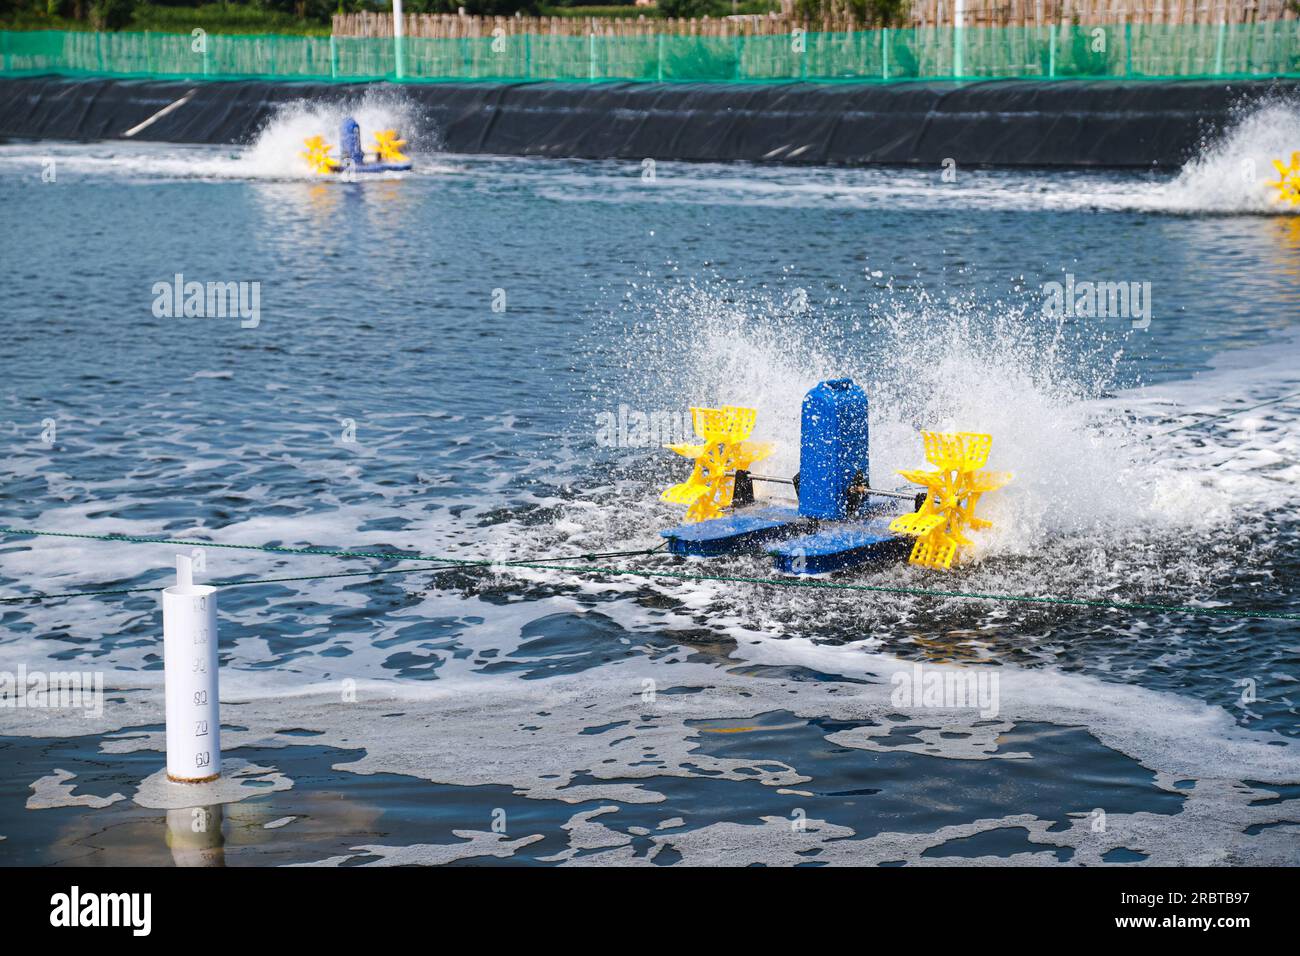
(1125, 51)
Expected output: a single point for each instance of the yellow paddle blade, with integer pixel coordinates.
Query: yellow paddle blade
(687, 450)
(916, 523)
(729, 423)
(389, 147)
(318, 155)
(952, 493)
(982, 481)
(752, 451)
(933, 551)
(918, 477)
(712, 482)
(684, 494)
(1288, 180)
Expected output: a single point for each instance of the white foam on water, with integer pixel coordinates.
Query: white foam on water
(1231, 174)
(1165, 731)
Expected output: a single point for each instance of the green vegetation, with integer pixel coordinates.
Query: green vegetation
(666, 8)
(475, 8)
(686, 8)
(562, 9)
(883, 12)
(253, 16)
(225, 18)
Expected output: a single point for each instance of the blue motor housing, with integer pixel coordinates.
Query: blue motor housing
(833, 448)
(350, 141)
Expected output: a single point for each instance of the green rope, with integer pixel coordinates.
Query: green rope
(925, 592)
(543, 564)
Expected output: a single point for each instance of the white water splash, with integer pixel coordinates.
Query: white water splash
(277, 150)
(1233, 173)
(1096, 481)
(275, 153)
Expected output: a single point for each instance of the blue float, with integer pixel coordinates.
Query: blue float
(838, 546)
(744, 530)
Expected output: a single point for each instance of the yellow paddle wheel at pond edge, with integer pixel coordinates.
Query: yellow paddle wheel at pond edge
(1288, 180)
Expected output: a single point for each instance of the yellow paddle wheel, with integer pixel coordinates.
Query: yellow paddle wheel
(388, 148)
(318, 156)
(725, 449)
(952, 492)
(1288, 180)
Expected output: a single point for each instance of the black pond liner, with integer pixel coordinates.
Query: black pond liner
(1070, 123)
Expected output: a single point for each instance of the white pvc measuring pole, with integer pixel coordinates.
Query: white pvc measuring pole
(190, 672)
(398, 43)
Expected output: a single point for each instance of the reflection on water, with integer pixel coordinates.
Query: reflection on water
(194, 836)
(1288, 229)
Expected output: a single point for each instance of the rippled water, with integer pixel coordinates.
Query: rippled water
(432, 363)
